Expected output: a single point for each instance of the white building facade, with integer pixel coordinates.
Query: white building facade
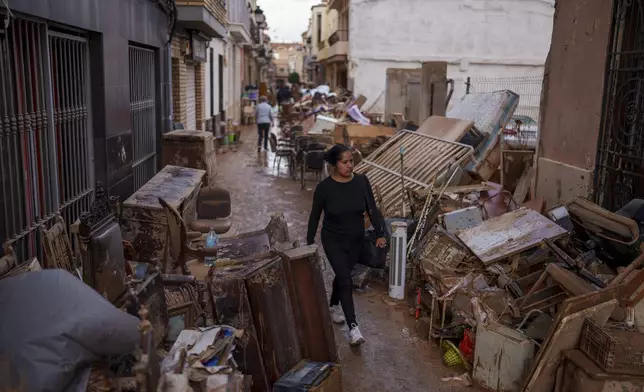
(477, 38)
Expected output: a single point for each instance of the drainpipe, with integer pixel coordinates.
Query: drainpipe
(170, 114)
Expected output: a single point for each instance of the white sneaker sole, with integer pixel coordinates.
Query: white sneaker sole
(358, 342)
(338, 321)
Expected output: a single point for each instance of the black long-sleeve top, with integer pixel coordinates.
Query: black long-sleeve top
(344, 205)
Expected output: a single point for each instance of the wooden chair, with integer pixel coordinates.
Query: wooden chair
(178, 247)
(58, 247)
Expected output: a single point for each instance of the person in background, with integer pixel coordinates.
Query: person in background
(344, 197)
(284, 94)
(264, 118)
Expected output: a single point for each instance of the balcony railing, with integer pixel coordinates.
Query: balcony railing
(340, 35)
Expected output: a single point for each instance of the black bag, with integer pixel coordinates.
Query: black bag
(372, 256)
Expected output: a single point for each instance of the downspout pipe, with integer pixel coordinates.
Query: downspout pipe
(169, 104)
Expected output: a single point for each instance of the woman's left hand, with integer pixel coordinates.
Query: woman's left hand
(381, 242)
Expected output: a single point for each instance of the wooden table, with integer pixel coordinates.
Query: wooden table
(143, 221)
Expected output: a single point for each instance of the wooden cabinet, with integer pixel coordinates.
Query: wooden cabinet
(253, 296)
(310, 305)
(143, 221)
(194, 149)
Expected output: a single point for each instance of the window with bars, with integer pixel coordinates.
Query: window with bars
(45, 141)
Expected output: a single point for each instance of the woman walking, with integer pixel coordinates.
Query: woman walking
(344, 197)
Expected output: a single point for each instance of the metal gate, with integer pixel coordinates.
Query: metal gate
(45, 145)
(619, 175)
(143, 115)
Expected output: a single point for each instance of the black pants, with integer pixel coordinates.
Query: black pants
(343, 254)
(262, 131)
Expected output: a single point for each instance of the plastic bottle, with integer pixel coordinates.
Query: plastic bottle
(211, 243)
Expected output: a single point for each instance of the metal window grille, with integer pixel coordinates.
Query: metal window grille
(45, 154)
(143, 115)
(619, 175)
(528, 88)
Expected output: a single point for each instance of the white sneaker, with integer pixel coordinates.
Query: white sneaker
(337, 316)
(355, 337)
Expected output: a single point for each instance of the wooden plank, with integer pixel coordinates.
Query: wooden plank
(277, 331)
(509, 234)
(450, 129)
(433, 93)
(523, 186)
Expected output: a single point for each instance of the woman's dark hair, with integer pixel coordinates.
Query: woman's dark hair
(333, 155)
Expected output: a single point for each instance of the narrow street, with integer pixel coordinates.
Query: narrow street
(394, 358)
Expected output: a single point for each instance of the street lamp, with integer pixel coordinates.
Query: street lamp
(259, 15)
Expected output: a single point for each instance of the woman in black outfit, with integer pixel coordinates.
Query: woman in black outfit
(344, 197)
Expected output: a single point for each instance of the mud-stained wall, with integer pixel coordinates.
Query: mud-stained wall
(572, 99)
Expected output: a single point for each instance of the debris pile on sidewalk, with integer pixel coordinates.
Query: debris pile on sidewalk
(238, 324)
(340, 115)
(510, 292)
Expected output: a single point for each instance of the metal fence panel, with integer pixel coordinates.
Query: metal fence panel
(143, 114)
(70, 99)
(528, 88)
(40, 133)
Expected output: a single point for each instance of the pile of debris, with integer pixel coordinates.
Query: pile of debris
(518, 297)
(340, 115)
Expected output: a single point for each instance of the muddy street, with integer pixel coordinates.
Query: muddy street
(394, 358)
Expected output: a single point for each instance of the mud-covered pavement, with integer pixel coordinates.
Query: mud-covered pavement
(393, 358)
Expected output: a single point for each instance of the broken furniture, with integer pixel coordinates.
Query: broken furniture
(509, 234)
(310, 306)
(616, 235)
(58, 247)
(193, 149)
(365, 138)
(253, 296)
(578, 373)
(182, 296)
(425, 157)
(490, 112)
(143, 221)
(502, 357)
(178, 245)
(518, 147)
(324, 125)
(565, 333)
(213, 211)
(148, 291)
(101, 241)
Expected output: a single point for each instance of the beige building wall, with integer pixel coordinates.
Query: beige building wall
(288, 57)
